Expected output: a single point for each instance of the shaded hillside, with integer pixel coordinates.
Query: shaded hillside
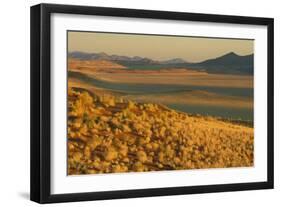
(229, 63)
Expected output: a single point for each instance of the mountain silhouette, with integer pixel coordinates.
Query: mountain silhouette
(230, 63)
(121, 59)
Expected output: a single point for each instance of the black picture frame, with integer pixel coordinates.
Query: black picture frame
(41, 96)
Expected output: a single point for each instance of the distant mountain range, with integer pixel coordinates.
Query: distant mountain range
(229, 63)
(125, 60)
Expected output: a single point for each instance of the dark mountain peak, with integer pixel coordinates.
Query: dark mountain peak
(229, 63)
(226, 58)
(231, 54)
(235, 55)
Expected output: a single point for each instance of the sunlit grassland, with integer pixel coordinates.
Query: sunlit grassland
(107, 134)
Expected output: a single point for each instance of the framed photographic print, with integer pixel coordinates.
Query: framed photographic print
(133, 103)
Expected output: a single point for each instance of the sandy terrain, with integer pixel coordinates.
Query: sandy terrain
(192, 97)
(110, 71)
(178, 77)
(195, 98)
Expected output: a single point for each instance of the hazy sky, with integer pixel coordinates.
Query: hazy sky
(192, 49)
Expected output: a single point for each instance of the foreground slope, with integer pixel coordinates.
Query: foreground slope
(107, 134)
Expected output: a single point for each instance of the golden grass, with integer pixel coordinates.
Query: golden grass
(107, 134)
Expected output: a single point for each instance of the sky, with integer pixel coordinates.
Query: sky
(157, 47)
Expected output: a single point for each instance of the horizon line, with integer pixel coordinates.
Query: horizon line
(132, 56)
